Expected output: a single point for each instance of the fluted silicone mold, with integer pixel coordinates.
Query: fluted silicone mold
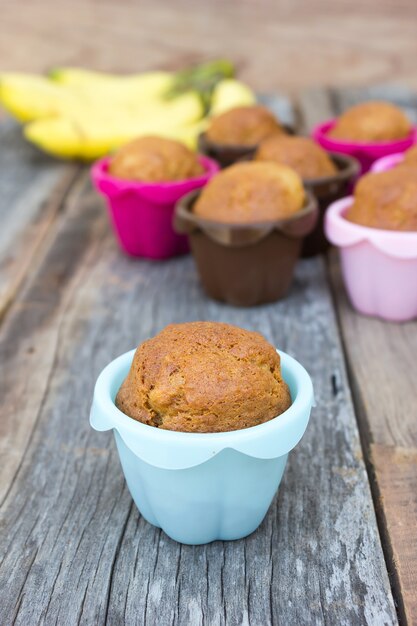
(326, 190)
(245, 264)
(199, 487)
(379, 266)
(365, 152)
(141, 213)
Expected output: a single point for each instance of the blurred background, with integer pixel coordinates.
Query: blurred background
(286, 46)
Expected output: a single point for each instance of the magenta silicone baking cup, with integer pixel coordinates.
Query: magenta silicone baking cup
(141, 213)
(366, 153)
(379, 267)
(387, 163)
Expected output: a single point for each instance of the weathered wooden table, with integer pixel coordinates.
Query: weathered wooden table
(339, 544)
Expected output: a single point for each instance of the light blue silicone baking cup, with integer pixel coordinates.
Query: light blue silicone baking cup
(199, 487)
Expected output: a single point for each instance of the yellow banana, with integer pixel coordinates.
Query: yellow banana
(187, 134)
(78, 76)
(89, 136)
(66, 138)
(147, 83)
(77, 113)
(230, 93)
(28, 97)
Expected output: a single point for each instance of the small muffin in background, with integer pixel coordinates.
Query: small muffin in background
(243, 126)
(251, 192)
(372, 122)
(386, 200)
(302, 154)
(204, 377)
(410, 156)
(155, 159)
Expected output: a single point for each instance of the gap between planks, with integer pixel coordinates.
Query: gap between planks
(392, 468)
(15, 436)
(33, 243)
(33, 188)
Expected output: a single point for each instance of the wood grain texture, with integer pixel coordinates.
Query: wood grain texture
(18, 355)
(396, 470)
(31, 190)
(383, 353)
(314, 105)
(277, 45)
(76, 551)
(382, 374)
(281, 106)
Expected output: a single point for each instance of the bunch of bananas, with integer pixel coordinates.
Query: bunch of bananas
(80, 114)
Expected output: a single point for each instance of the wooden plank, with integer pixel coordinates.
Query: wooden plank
(280, 106)
(76, 550)
(314, 105)
(32, 187)
(381, 362)
(382, 369)
(30, 380)
(381, 358)
(396, 470)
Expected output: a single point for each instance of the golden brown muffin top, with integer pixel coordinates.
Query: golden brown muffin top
(204, 377)
(243, 126)
(306, 157)
(155, 159)
(410, 156)
(372, 121)
(251, 192)
(386, 200)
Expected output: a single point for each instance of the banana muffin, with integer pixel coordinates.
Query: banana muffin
(373, 122)
(386, 200)
(204, 377)
(410, 156)
(302, 154)
(243, 126)
(251, 192)
(155, 159)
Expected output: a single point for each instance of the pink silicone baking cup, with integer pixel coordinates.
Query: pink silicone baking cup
(366, 153)
(379, 266)
(141, 213)
(387, 163)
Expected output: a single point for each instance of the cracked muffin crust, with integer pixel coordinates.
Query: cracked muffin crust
(155, 159)
(243, 126)
(251, 192)
(204, 377)
(386, 200)
(410, 156)
(372, 121)
(304, 155)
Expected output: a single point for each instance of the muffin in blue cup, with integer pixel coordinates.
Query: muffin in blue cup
(204, 416)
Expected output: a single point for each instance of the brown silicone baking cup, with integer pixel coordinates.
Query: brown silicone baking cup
(226, 154)
(327, 190)
(245, 264)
